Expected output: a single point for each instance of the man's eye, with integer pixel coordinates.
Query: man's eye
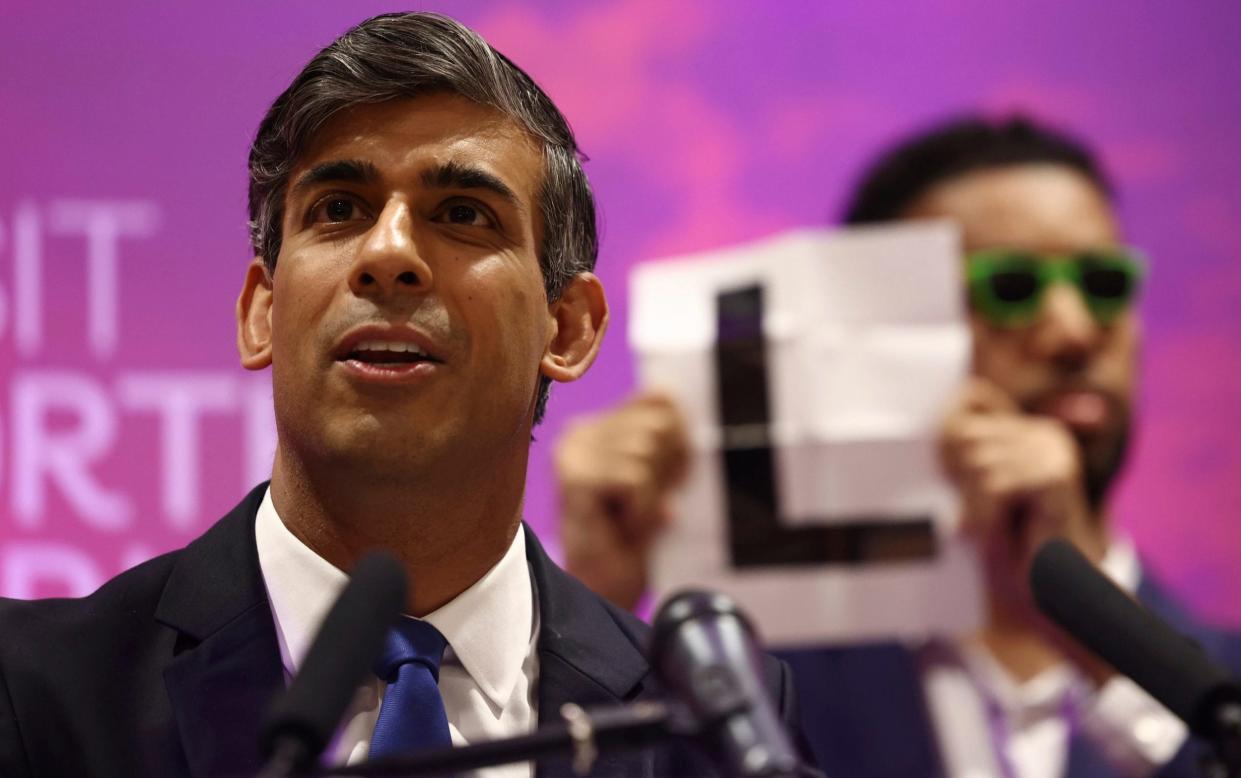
(468, 215)
(335, 209)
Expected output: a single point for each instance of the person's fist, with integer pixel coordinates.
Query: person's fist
(615, 474)
(1020, 480)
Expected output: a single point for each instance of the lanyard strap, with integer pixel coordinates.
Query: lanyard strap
(1001, 734)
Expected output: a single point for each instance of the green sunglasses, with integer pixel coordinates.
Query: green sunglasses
(1006, 286)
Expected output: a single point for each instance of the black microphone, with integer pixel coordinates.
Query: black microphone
(704, 651)
(1169, 666)
(303, 719)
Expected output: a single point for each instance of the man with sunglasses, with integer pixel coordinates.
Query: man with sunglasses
(1034, 442)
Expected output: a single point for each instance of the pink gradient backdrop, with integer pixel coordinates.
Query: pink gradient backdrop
(706, 123)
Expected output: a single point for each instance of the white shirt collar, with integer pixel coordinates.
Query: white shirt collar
(1022, 702)
(1043, 694)
(1121, 564)
(489, 626)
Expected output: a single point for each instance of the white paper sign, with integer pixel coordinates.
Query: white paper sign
(814, 369)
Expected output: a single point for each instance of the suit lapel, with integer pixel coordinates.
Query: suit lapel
(227, 665)
(585, 657)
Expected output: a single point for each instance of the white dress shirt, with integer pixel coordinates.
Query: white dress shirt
(988, 724)
(490, 668)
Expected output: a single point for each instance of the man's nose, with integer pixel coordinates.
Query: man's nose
(1066, 331)
(389, 262)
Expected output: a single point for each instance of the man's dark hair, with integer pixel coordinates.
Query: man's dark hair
(410, 55)
(912, 167)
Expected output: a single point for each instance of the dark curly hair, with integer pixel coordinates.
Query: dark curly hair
(910, 168)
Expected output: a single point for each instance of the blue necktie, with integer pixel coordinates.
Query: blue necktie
(412, 715)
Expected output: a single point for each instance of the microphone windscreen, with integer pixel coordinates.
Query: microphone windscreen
(343, 652)
(1074, 594)
(704, 651)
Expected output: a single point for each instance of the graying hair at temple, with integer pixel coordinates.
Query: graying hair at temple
(408, 55)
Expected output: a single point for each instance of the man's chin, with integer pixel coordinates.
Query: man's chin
(383, 442)
(1103, 459)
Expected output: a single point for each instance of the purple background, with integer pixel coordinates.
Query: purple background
(706, 124)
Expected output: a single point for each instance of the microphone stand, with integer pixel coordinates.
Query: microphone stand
(582, 733)
(1224, 758)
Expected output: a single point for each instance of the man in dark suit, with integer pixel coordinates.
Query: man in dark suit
(424, 239)
(1033, 446)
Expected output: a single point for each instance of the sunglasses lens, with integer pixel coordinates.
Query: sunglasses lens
(1014, 286)
(1109, 283)
(1107, 280)
(1005, 286)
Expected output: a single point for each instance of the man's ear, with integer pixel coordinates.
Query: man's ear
(254, 317)
(579, 317)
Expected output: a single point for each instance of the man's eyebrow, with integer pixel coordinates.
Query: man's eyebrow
(455, 175)
(350, 171)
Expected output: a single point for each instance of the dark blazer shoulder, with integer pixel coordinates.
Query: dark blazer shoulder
(636, 631)
(84, 681)
(1221, 643)
(67, 666)
(594, 653)
(129, 594)
(776, 672)
(777, 675)
(101, 632)
(568, 607)
(131, 597)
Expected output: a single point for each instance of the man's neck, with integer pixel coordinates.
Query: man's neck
(447, 534)
(1021, 649)
(1018, 637)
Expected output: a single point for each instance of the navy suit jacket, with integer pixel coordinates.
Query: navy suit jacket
(168, 668)
(865, 716)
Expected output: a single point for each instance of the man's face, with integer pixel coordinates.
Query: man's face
(1063, 363)
(408, 315)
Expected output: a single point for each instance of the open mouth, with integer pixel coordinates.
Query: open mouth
(388, 354)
